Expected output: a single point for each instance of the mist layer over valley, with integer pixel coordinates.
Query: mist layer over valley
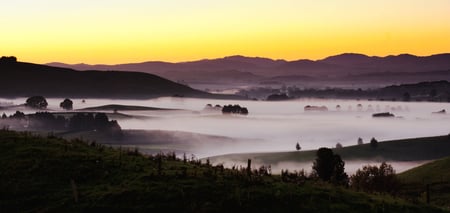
(269, 127)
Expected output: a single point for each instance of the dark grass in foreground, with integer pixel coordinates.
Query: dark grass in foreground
(49, 174)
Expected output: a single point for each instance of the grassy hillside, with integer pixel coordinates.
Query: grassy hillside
(26, 79)
(436, 175)
(414, 149)
(436, 171)
(49, 174)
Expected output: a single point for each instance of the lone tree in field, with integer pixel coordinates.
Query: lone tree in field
(360, 141)
(67, 104)
(373, 143)
(37, 102)
(298, 147)
(330, 167)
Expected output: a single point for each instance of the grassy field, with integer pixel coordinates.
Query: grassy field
(436, 171)
(436, 175)
(414, 149)
(50, 174)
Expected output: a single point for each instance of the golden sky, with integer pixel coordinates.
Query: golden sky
(121, 31)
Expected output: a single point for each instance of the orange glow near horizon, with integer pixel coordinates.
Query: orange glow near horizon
(123, 31)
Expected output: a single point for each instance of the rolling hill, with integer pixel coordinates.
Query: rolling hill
(21, 79)
(414, 149)
(332, 69)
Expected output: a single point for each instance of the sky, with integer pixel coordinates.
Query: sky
(123, 31)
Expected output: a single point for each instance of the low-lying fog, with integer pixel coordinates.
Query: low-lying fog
(278, 126)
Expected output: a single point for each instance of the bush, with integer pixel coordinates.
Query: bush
(375, 179)
(330, 167)
(67, 104)
(38, 102)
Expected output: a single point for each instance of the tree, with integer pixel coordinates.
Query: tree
(360, 141)
(8, 59)
(297, 147)
(330, 167)
(37, 102)
(339, 146)
(375, 179)
(67, 104)
(373, 143)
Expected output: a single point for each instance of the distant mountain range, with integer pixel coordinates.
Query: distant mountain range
(21, 79)
(403, 68)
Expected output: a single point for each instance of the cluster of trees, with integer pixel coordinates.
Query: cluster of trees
(376, 179)
(51, 122)
(39, 102)
(329, 167)
(89, 121)
(234, 109)
(8, 59)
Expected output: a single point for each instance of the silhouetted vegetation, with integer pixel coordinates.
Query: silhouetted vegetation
(67, 104)
(298, 147)
(330, 167)
(360, 141)
(376, 179)
(373, 143)
(38, 102)
(46, 121)
(278, 97)
(58, 175)
(234, 109)
(8, 59)
(383, 115)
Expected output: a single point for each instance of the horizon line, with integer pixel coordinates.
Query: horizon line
(245, 56)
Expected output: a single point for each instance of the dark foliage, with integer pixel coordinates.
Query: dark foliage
(278, 97)
(234, 109)
(330, 167)
(38, 102)
(298, 147)
(51, 174)
(67, 104)
(373, 143)
(49, 122)
(8, 59)
(375, 179)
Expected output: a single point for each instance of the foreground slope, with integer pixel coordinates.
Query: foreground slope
(433, 177)
(48, 174)
(435, 171)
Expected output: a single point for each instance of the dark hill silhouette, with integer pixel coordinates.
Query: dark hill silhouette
(26, 79)
(338, 67)
(347, 59)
